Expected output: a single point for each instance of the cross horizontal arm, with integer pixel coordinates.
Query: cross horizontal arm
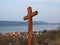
(26, 17)
(34, 13)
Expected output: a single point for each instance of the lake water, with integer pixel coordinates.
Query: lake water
(23, 28)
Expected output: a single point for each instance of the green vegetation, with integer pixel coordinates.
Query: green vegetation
(53, 35)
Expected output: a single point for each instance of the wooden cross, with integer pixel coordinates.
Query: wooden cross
(29, 17)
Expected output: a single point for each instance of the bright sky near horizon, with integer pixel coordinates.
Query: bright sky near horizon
(15, 10)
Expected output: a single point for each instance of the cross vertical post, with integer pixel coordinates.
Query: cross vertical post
(29, 18)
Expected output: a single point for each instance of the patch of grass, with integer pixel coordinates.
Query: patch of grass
(57, 40)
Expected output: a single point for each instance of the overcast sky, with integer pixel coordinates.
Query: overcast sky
(15, 10)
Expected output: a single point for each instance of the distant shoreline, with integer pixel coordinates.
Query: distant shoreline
(17, 23)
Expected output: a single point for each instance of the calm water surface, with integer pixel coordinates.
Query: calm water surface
(25, 28)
